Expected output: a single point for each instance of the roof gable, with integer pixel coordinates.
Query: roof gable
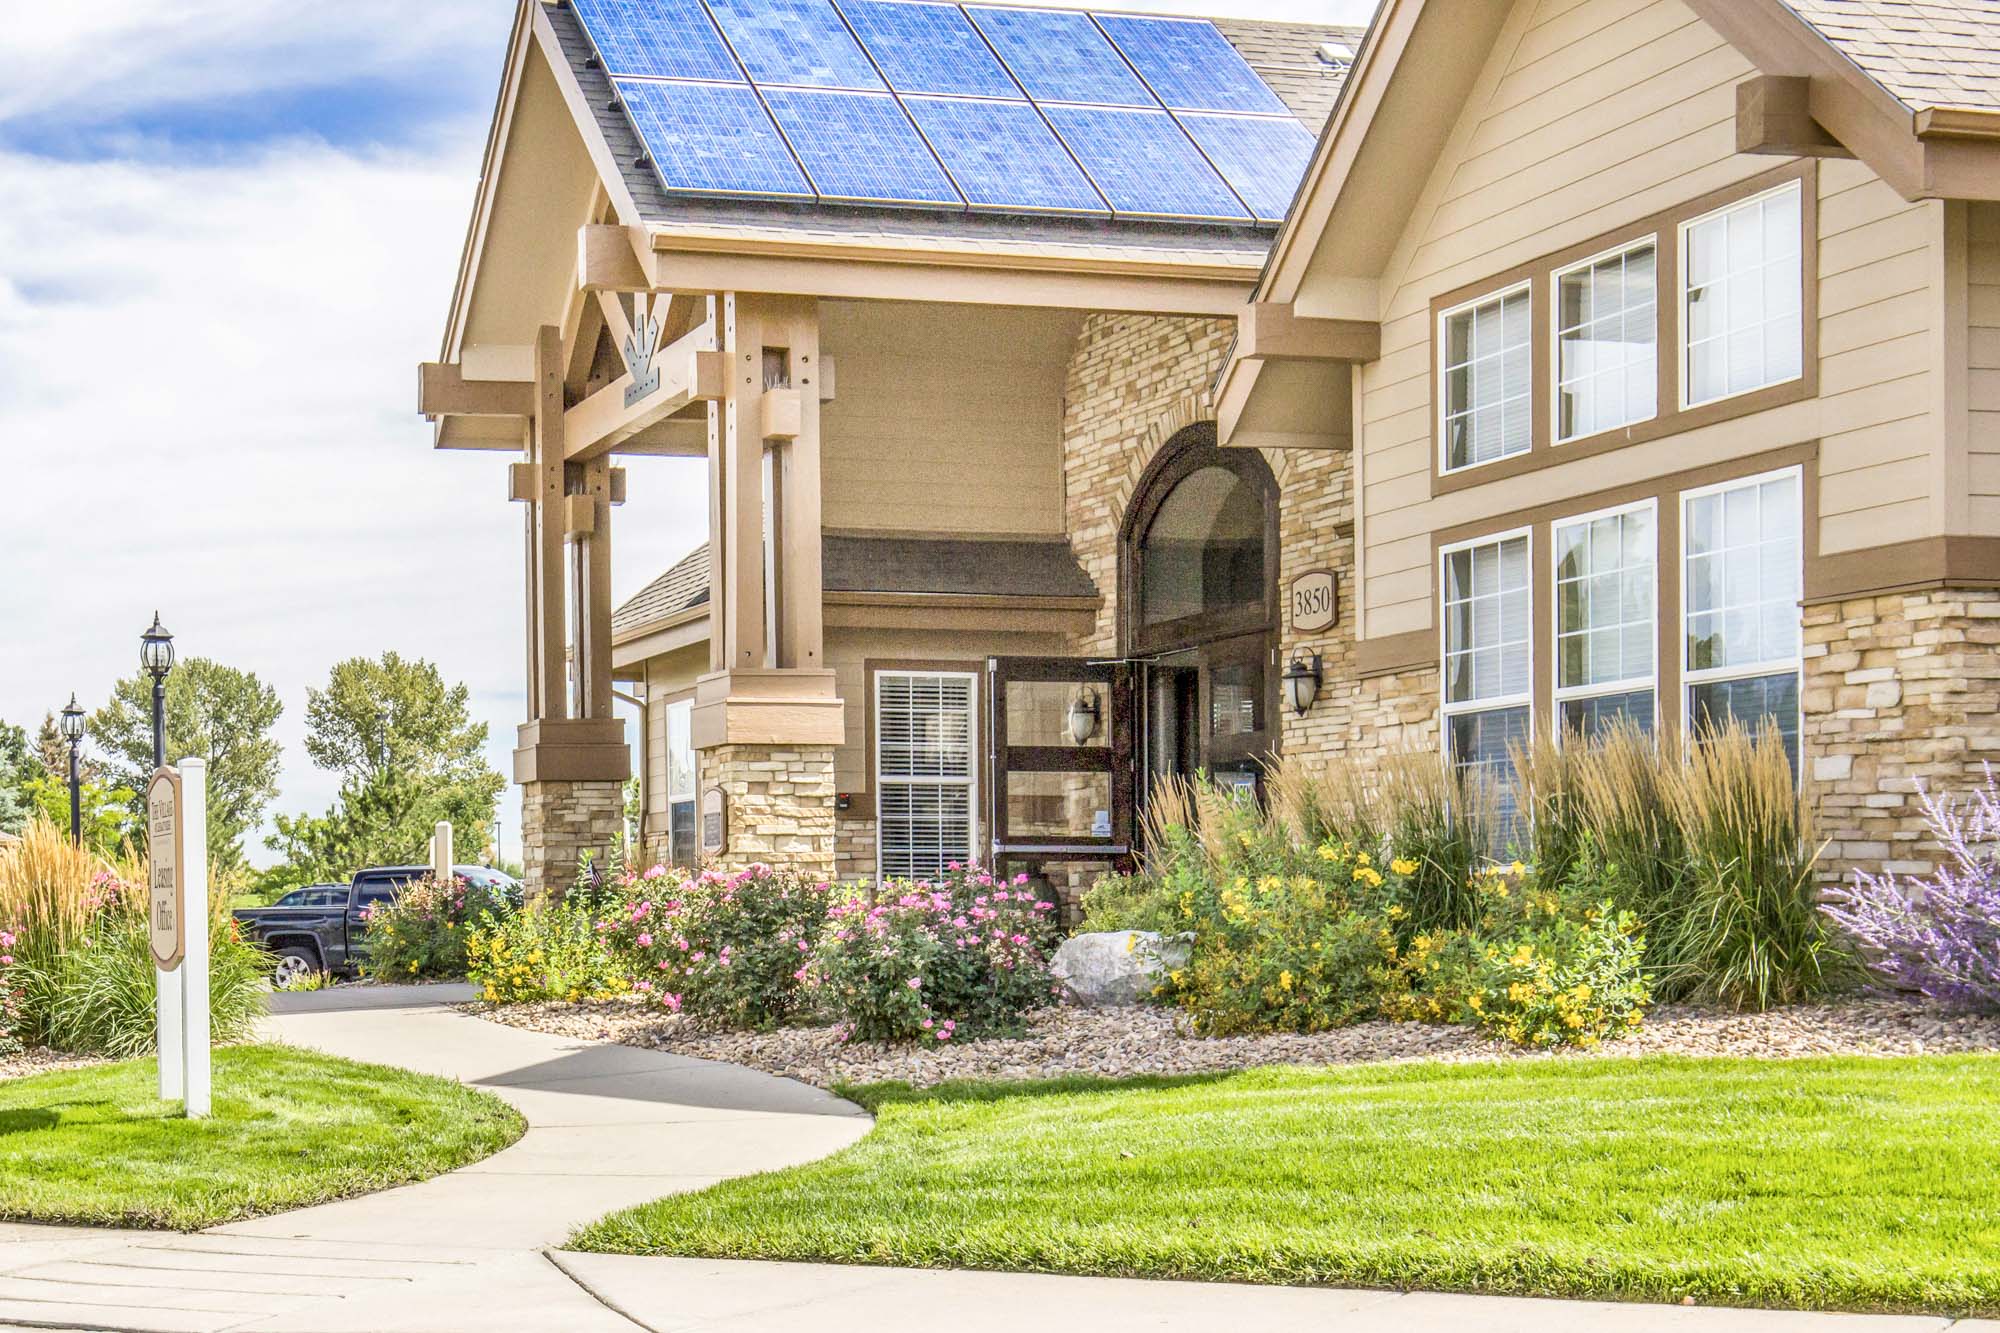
(1928, 54)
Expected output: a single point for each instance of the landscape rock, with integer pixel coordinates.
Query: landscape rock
(1105, 969)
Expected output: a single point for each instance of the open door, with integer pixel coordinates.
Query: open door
(1061, 759)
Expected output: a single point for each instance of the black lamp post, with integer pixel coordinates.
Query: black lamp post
(156, 654)
(72, 731)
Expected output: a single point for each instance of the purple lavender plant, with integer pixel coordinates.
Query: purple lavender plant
(1938, 936)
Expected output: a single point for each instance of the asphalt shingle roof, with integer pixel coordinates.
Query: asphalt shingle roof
(1928, 53)
(851, 563)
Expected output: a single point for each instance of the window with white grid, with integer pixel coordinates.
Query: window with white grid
(1607, 363)
(1486, 363)
(1487, 632)
(1604, 621)
(1741, 591)
(925, 789)
(1741, 277)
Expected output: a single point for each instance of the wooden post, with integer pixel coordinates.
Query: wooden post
(800, 632)
(594, 643)
(547, 630)
(736, 466)
(442, 859)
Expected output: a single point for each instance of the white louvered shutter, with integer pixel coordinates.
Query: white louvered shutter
(924, 767)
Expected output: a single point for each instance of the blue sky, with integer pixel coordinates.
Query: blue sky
(228, 231)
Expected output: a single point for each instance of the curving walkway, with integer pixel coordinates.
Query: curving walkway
(609, 1126)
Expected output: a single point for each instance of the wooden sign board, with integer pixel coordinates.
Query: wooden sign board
(1315, 601)
(714, 822)
(166, 886)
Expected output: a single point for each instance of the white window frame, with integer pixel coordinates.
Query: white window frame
(1684, 346)
(1442, 340)
(1560, 694)
(1771, 667)
(1447, 710)
(970, 782)
(1556, 436)
(684, 700)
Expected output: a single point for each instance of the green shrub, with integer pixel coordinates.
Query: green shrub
(545, 951)
(11, 1014)
(731, 949)
(961, 956)
(422, 933)
(1130, 902)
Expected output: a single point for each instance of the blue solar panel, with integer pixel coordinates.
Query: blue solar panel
(1262, 157)
(666, 39)
(928, 48)
(1004, 156)
(795, 42)
(861, 147)
(1060, 56)
(711, 138)
(1144, 164)
(1189, 65)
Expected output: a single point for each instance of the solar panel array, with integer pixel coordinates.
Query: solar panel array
(935, 104)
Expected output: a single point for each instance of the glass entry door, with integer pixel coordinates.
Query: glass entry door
(1062, 758)
(1207, 709)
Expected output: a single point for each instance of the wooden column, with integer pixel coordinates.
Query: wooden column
(801, 634)
(736, 491)
(594, 567)
(547, 632)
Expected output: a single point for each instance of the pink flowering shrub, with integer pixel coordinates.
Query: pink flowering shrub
(10, 995)
(963, 956)
(729, 949)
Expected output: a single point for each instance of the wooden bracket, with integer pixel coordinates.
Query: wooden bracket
(780, 412)
(579, 516)
(1774, 116)
(523, 485)
(444, 391)
(617, 484)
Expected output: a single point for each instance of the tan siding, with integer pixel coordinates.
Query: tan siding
(1607, 111)
(943, 422)
(1983, 363)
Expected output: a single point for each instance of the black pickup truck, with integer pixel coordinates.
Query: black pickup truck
(329, 933)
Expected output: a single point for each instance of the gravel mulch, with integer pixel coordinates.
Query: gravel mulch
(1123, 1042)
(35, 1061)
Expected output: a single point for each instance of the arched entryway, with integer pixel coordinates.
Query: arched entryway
(1198, 609)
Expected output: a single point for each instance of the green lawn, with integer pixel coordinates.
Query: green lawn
(1830, 1183)
(290, 1128)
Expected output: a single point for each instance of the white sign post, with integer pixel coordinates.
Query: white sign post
(177, 914)
(441, 861)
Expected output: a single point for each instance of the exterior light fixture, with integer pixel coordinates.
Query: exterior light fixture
(1084, 716)
(1301, 678)
(156, 654)
(72, 731)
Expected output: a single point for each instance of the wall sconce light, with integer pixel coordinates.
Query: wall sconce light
(1084, 716)
(1302, 677)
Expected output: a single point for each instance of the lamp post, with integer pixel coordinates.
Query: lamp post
(156, 654)
(72, 731)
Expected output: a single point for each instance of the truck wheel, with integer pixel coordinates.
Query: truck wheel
(296, 962)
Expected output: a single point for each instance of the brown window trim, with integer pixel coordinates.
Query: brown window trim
(1665, 492)
(1670, 418)
(861, 804)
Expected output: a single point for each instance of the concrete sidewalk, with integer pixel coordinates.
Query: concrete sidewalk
(471, 1252)
(609, 1126)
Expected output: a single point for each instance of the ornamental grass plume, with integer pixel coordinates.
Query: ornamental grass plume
(1938, 936)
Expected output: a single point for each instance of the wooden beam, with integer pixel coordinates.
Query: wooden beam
(1774, 116)
(444, 391)
(611, 258)
(691, 371)
(1276, 332)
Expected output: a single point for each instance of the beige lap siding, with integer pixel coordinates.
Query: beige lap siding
(1589, 118)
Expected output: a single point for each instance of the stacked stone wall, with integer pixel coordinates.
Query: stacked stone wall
(778, 804)
(560, 821)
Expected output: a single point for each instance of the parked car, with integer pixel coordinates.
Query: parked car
(330, 934)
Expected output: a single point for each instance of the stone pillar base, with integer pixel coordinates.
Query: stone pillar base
(560, 821)
(778, 805)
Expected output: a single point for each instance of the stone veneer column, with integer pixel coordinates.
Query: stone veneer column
(560, 821)
(1899, 689)
(779, 803)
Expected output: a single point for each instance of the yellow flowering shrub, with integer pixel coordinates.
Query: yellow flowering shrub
(545, 951)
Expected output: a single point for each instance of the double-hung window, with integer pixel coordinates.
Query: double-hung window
(1604, 620)
(1487, 632)
(1741, 276)
(1487, 367)
(682, 842)
(925, 787)
(1741, 588)
(1607, 342)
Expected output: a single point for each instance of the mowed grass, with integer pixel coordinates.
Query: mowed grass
(1866, 1184)
(291, 1127)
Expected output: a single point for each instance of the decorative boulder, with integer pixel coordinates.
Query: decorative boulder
(1116, 967)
